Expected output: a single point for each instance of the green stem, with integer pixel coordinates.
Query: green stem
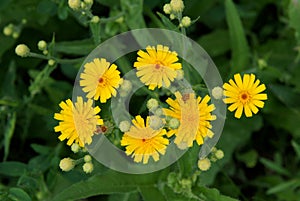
(111, 19)
(61, 61)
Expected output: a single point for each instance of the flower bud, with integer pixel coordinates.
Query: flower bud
(22, 50)
(89, 2)
(167, 8)
(75, 147)
(95, 19)
(156, 123)
(219, 154)
(74, 4)
(8, 30)
(87, 158)
(152, 104)
(204, 164)
(126, 85)
(88, 167)
(67, 164)
(186, 21)
(51, 62)
(177, 5)
(180, 74)
(174, 123)
(124, 126)
(172, 16)
(42, 45)
(217, 92)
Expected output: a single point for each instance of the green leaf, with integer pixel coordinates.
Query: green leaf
(40, 149)
(166, 21)
(95, 29)
(47, 7)
(296, 147)
(77, 47)
(188, 161)
(9, 87)
(249, 158)
(294, 16)
(286, 95)
(134, 196)
(274, 166)
(215, 43)
(108, 183)
(238, 41)
(213, 194)
(151, 193)
(284, 186)
(12, 168)
(8, 133)
(236, 133)
(133, 10)
(18, 194)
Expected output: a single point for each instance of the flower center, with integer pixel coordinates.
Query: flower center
(143, 140)
(80, 122)
(244, 97)
(101, 80)
(157, 66)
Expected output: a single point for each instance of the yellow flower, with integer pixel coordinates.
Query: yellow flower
(100, 79)
(157, 66)
(142, 141)
(194, 116)
(77, 121)
(244, 95)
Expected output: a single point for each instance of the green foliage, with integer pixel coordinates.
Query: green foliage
(262, 153)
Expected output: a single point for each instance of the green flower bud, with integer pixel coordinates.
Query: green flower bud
(22, 50)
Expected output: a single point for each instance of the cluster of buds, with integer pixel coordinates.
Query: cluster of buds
(175, 9)
(68, 164)
(14, 30)
(204, 164)
(84, 8)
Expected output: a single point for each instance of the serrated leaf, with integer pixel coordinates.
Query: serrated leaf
(18, 194)
(238, 41)
(12, 168)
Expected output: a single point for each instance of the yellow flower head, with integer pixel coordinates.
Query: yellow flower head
(142, 141)
(244, 95)
(100, 80)
(157, 66)
(77, 121)
(194, 115)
